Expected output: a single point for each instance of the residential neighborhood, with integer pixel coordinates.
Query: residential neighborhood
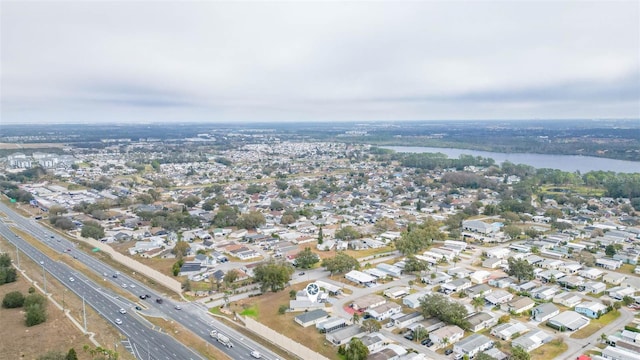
(537, 276)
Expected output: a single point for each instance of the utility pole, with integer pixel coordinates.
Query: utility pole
(44, 277)
(18, 256)
(84, 315)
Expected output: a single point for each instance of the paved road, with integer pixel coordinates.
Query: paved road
(145, 342)
(192, 316)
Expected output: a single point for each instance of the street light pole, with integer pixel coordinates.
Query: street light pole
(18, 256)
(84, 315)
(44, 277)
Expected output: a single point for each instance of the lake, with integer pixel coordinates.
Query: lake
(568, 163)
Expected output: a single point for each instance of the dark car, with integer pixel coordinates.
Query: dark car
(425, 342)
(448, 352)
(138, 308)
(159, 301)
(408, 336)
(143, 296)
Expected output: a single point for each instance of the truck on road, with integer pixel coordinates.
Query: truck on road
(224, 340)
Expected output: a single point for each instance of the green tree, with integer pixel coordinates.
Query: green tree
(441, 307)
(340, 263)
(356, 350)
(35, 314)
(412, 265)
(519, 353)
(230, 277)
(347, 233)
(483, 356)
(8, 275)
(371, 325)
(610, 250)
(251, 220)
(181, 248)
(512, 231)
(273, 275)
(13, 299)
(420, 333)
(320, 236)
(71, 355)
(5, 260)
(628, 300)
(92, 229)
(477, 302)
(226, 216)
(306, 259)
(520, 268)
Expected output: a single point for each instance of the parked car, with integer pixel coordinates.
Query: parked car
(409, 336)
(448, 352)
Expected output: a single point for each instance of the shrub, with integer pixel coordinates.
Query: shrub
(14, 299)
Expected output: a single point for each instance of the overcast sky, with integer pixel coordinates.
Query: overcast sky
(143, 61)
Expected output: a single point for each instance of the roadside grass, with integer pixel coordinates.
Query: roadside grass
(251, 311)
(596, 324)
(267, 313)
(551, 350)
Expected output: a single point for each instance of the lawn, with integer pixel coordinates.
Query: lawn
(552, 350)
(596, 324)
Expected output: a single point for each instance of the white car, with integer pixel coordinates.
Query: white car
(122, 311)
(118, 321)
(256, 354)
(72, 279)
(124, 286)
(132, 286)
(178, 307)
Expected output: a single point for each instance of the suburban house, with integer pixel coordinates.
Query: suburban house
(567, 299)
(614, 278)
(447, 335)
(545, 292)
(508, 330)
(568, 320)
(619, 292)
(594, 287)
(480, 226)
(396, 292)
(498, 297)
(455, 285)
(544, 312)
(389, 352)
(312, 317)
(413, 300)
(480, 276)
(591, 273)
(478, 290)
(384, 311)
(591, 309)
(608, 264)
(518, 305)
(374, 341)
(481, 320)
(532, 340)
(408, 319)
(331, 324)
(367, 302)
(472, 345)
(359, 277)
(344, 335)
(437, 278)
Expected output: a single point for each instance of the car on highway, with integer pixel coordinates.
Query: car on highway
(122, 311)
(124, 286)
(72, 279)
(143, 296)
(178, 307)
(52, 236)
(118, 321)
(138, 308)
(69, 250)
(302, 273)
(114, 276)
(159, 301)
(132, 285)
(256, 354)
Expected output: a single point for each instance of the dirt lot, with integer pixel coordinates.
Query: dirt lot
(22, 342)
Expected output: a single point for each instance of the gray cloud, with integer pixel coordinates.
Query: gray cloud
(274, 61)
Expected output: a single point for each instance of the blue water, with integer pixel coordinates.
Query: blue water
(568, 163)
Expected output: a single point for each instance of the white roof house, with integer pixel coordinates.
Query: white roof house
(480, 276)
(532, 340)
(472, 345)
(569, 320)
(507, 330)
(413, 300)
(359, 277)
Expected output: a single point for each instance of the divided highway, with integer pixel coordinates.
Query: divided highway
(190, 315)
